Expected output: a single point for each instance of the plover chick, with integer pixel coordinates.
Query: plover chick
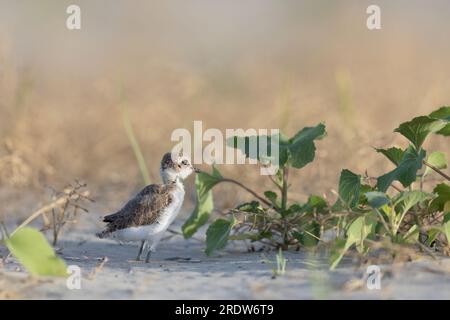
(147, 216)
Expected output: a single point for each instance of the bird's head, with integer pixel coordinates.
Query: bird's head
(176, 167)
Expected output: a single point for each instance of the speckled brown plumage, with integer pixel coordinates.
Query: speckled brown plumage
(144, 209)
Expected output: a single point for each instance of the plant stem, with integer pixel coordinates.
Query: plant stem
(3, 230)
(275, 183)
(55, 232)
(247, 189)
(396, 188)
(383, 221)
(427, 250)
(392, 185)
(284, 188)
(429, 165)
(284, 204)
(36, 214)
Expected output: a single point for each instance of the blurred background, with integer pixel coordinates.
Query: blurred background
(232, 64)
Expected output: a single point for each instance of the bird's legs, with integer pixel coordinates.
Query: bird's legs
(149, 253)
(141, 249)
(152, 249)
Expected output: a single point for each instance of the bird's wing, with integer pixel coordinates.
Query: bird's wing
(144, 209)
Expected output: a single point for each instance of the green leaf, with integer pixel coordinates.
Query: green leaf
(408, 199)
(446, 226)
(377, 199)
(444, 114)
(248, 236)
(445, 131)
(442, 201)
(34, 252)
(204, 182)
(294, 208)
(406, 172)
(419, 128)
(314, 204)
(349, 189)
(310, 234)
(365, 188)
(243, 144)
(251, 236)
(337, 253)
(437, 159)
(357, 232)
(412, 235)
(394, 154)
(302, 148)
(272, 196)
(207, 181)
(403, 203)
(217, 235)
(432, 235)
(251, 207)
(283, 151)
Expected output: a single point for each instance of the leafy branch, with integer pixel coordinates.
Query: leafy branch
(364, 216)
(268, 219)
(436, 169)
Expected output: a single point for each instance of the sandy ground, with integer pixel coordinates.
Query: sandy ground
(180, 270)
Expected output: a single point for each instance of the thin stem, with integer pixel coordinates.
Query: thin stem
(285, 188)
(284, 203)
(247, 189)
(396, 188)
(397, 224)
(276, 183)
(383, 221)
(429, 165)
(427, 250)
(36, 214)
(4, 230)
(392, 185)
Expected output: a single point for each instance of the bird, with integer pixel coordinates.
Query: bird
(147, 215)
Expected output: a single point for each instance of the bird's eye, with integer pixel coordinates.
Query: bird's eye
(184, 162)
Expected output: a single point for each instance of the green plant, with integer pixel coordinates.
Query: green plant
(375, 216)
(394, 213)
(34, 252)
(270, 218)
(281, 264)
(30, 247)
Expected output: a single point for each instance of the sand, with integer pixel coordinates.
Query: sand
(181, 270)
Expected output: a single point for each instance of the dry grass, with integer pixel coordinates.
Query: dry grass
(60, 119)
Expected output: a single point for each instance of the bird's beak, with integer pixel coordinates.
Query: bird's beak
(197, 170)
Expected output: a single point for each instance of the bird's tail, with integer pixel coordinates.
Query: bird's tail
(103, 234)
